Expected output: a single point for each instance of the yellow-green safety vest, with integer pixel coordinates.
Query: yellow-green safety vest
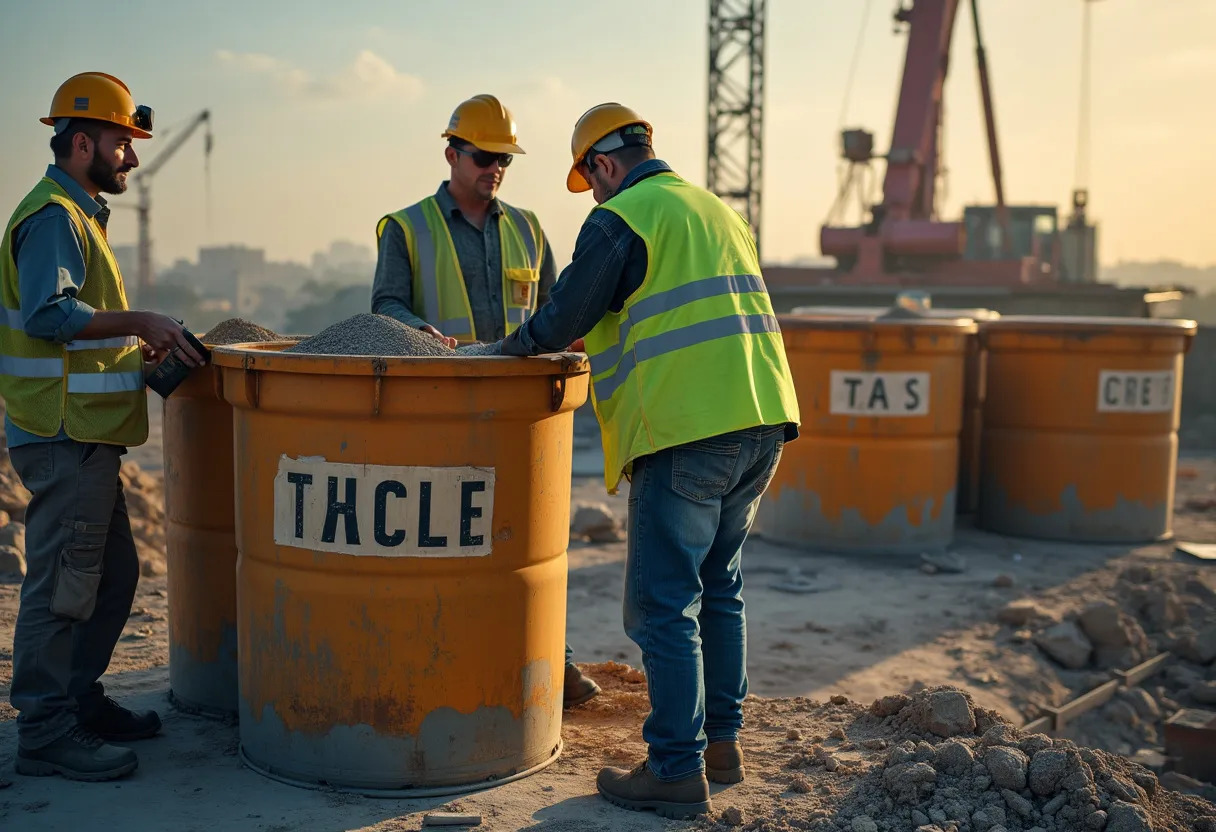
(92, 389)
(696, 351)
(439, 294)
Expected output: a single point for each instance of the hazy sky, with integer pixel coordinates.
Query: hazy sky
(327, 115)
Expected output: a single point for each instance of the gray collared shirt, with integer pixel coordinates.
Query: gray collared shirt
(479, 252)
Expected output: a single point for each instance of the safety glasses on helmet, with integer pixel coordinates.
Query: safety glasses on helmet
(142, 117)
(484, 158)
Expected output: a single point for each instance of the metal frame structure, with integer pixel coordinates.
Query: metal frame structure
(735, 147)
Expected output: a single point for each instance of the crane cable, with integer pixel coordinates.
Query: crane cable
(846, 176)
(1081, 173)
(848, 87)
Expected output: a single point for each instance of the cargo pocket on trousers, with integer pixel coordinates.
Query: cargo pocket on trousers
(78, 573)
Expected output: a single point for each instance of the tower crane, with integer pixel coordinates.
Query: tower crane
(143, 182)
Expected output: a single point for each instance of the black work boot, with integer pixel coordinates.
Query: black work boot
(724, 762)
(639, 789)
(577, 688)
(78, 755)
(114, 723)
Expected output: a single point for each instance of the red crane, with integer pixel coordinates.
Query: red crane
(905, 241)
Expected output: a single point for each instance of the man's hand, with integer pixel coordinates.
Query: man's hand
(439, 336)
(577, 346)
(165, 335)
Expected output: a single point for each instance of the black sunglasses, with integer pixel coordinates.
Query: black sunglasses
(142, 117)
(484, 158)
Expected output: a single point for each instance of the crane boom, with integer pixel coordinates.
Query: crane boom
(143, 178)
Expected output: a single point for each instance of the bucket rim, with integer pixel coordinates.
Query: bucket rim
(268, 356)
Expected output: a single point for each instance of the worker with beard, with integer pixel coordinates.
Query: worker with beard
(72, 369)
(464, 266)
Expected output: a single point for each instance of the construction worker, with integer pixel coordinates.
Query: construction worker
(695, 401)
(462, 265)
(72, 371)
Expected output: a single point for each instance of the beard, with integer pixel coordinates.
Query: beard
(105, 177)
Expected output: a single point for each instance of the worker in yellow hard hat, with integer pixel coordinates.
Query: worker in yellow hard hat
(463, 266)
(72, 369)
(695, 401)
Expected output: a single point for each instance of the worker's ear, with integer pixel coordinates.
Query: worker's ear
(82, 144)
(450, 154)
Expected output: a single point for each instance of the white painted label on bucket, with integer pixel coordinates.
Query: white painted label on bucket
(1135, 391)
(880, 394)
(383, 510)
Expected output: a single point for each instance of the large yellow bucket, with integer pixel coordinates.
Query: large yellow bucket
(200, 542)
(402, 526)
(1081, 419)
(967, 498)
(876, 467)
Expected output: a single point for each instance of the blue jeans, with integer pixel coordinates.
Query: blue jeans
(81, 572)
(690, 509)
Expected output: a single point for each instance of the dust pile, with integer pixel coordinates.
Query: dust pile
(144, 492)
(934, 762)
(372, 335)
(1149, 608)
(238, 331)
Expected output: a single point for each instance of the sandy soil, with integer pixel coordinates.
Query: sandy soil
(876, 627)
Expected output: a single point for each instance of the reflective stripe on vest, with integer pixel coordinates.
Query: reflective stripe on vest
(666, 301)
(525, 230)
(424, 246)
(678, 339)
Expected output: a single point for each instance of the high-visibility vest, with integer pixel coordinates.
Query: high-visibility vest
(439, 293)
(92, 389)
(696, 351)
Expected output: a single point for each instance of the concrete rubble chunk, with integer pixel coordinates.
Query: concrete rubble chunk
(950, 713)
(1199, 648)
(1007, 767)
(596, 523)
(12, 562)
(1127, 817)
(1067, 644)
(1019, 613)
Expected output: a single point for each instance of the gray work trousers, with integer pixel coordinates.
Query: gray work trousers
(81, 573)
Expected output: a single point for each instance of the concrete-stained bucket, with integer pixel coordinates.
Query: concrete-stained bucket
(200, 543)
(1080, 427)
(876, 468)
(402, 526)
(974, 385)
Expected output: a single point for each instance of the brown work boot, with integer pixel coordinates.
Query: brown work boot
(724, 762)
(577, 688)
(639, 789)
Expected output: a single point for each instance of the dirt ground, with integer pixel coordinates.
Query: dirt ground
(873, 627)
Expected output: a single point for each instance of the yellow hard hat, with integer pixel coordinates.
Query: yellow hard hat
(592, 126)
(103, 97)
(485, 123)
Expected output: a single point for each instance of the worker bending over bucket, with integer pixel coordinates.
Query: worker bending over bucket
(463, 266)
(72, 377)
(695, 400)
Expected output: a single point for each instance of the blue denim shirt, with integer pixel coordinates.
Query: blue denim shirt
(50, 271)
(609, 265)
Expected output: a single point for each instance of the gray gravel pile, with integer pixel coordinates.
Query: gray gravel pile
(372, 335)
(959, 767)
(492, 348)
(238, 331)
